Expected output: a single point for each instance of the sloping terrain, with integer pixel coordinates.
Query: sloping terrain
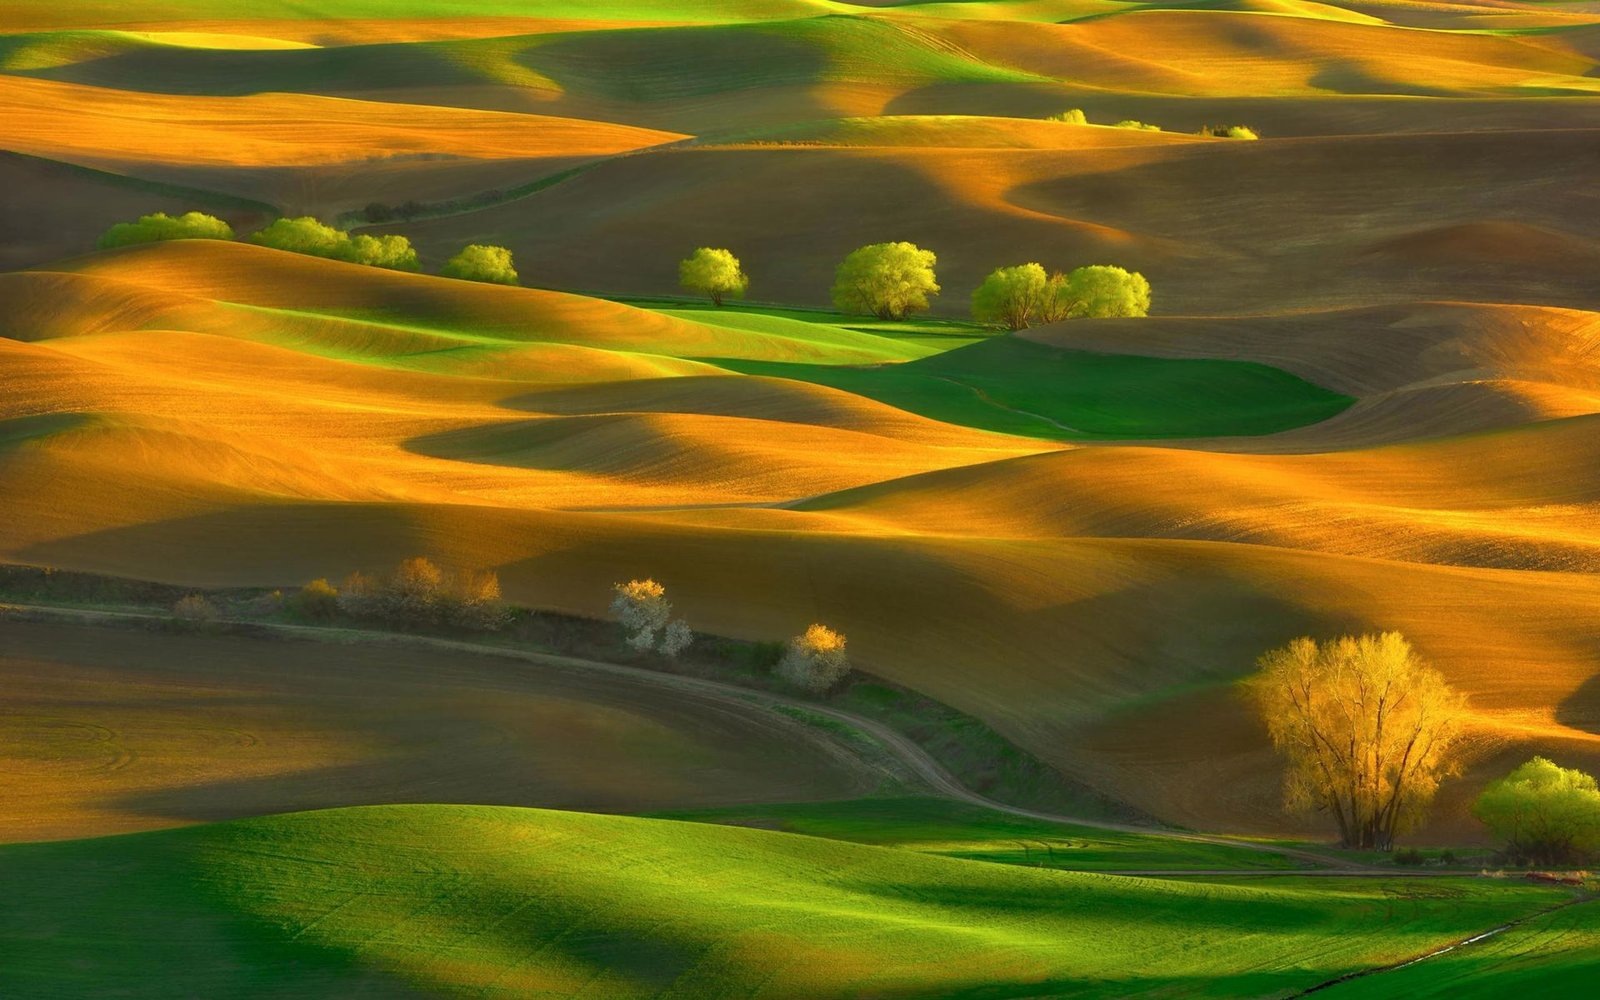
(1366, 398)
(438, 900)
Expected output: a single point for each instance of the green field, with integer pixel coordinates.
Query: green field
(957, 830)
(1019, 387)
(1552, 955)
(484, 901)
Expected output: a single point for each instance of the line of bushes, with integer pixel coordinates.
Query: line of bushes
(306, 235)
(1075, 116)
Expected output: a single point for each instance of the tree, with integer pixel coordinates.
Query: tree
(392, 252)
(161, 226)
(1073, 117)
(1366, 728)
(715, 273)
(194, 610)
(482, 263)
(815, 660)
(1136, 126)
(888, 280)
(1101, 290)
(1013, 297)
(318, 600)
(303, 235)
(641, 606)
(1545, 814)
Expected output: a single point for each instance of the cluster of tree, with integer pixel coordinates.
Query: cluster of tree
(814, 660)
(646, 614)
(161, 226)
(416, 593)
(1137, 126)
(1018, 297)
(306, 235)
(1075, 116)
(893, 280)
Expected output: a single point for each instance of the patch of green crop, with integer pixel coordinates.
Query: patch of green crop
(957, 830)
(1556, 954)
(1020, 387)
(505, 902)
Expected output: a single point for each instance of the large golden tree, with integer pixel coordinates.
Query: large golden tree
(1367, 729)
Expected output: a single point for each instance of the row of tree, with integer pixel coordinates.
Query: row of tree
(1368, 730)
(814, 660)
(306, 235)
(1075, 116)
(893, 280)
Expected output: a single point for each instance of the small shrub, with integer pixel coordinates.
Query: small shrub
(676, 638)
(1410, 857)
(161, 226)
(1447, 857)
(482, 263)
(1240, 132)
(1137, 126)
(317, 600)
(194, 610)
(815, 660)
(1072, 117)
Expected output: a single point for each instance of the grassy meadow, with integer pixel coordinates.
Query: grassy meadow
(1364, 398)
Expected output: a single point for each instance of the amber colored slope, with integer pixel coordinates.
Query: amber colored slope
(208, 413)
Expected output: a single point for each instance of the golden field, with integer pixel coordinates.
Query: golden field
(1415, 230)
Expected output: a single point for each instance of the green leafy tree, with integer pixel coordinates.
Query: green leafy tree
(1136, 126)
(478, 262)
(161, 226)
(713, 273)
(1101, 290)
(392, 252)
(303, 235)
(888, 280)
(1072, 117)
(1014, 297)
(1545, 814)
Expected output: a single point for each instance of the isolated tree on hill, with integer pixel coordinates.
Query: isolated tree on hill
(1013, 297)
(1545, 814)
(1075, 116)
(888, 280)
(641, 606)
(815, 660)
(1100, 291)
(161, 226)
(713, 273)
(478, 262)
(1366, 729)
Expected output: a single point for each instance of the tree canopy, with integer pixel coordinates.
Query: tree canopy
(1018, 297)
(888, 280)
(713, 273)
(815, 659)
(1543, 813)
(161, 226)
(308, 236)
(1366, 729)
(478, 262)
(1101, 290)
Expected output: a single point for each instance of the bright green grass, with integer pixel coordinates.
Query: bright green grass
(957, 830)
(491, 902)
(1020, 387)
(1553, 955)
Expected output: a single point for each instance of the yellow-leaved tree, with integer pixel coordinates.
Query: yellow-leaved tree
(1366, 728)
